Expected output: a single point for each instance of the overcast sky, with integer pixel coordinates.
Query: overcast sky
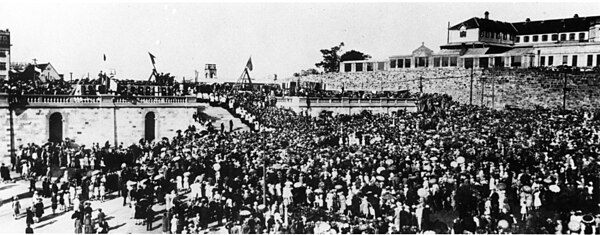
(282, 38)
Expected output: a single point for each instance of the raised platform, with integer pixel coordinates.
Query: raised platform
(316, 105)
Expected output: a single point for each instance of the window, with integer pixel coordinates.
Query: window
(444, 61)
(535, 38)
(2, 77)
(515, 61)
(498, 35)
(2, 66)
(380, 66)
(554, 37)
(550, 60)
(487, 34)
(392, 64)
(369, 66)
(512, 37)
(542, 61)
(400, 63)
(597, 60)
(526, 39)
(504, 36)
(482, 34)
(453, 61)
(544, 38)
(590, 60)
(407, 63)
(468, 63)
(2, 53)
(574, 61)
(565, 59)
(518, 39)
(463, 32)
(581, 36)
(493, 35)
(422, 62)
(563, 37)
(347, 67)
(436, 62)
(571, 37)
(359, 67)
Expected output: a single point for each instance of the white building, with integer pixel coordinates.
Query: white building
(4, 54)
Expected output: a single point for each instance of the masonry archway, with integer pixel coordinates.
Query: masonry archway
(56, 128)
(150, 126)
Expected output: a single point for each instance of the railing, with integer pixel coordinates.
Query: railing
(100, 99)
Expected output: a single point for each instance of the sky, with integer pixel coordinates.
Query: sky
(281, 37)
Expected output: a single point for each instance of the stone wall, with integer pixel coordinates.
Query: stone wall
(522, 88)
(526, 88)
(93, 125)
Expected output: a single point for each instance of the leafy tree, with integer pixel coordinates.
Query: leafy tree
(354, 55)
(331, 59)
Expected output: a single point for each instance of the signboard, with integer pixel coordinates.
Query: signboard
(4, 40)
(210, 71)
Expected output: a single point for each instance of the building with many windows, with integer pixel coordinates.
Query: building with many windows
(483, 43)
(4, 54)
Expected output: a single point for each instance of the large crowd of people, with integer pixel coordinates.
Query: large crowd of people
(450, 168)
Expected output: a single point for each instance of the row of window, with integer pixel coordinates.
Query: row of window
(544, 38)
(424, 62)
(565, 60)
(492, 35)
(2, 54)
(2, 66)
(359, 67)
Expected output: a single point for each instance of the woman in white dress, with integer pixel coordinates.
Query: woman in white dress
(537, 202)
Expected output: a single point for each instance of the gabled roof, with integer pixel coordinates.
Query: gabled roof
(575, 24)
(422, 50)
(486, 25)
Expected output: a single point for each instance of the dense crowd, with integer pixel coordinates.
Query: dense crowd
(450, 168)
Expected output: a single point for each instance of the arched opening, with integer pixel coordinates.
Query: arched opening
(56, 128)
(150, 125)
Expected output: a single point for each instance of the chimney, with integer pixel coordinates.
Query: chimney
(487, 15)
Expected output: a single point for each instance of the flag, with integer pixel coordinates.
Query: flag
(249, 64)
(152, 57)
(104, 57)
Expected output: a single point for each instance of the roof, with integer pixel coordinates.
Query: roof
(486, 25)
(575, 24)
(518, 51)
(422, 50)
(448, 52)
(476, 51)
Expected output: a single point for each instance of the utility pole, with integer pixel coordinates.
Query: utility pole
(71, 78)
(34, 67)
(482, 90)
(493, 90)
(564, 90)
(471, 90)
(421, 84)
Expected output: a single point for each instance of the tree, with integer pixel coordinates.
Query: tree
(331, 59)
(354, 55)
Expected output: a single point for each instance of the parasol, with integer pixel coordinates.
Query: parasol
(318, 190)
(277, 166)
(245, 213)
(96, 172)
(422, 192)
(261, 207)
(187, 174)
(380, 178)
(433, 159)
(574, 226)
(158, 177)
(380, 169)
(554, 188)
(338, 187)
(176, 159)
(216, 167)
(453, 164)
(460, 160)
(548, 180)
(288, 183)
(503, 224)
(587, 219)
(389, 161)
(297, 185)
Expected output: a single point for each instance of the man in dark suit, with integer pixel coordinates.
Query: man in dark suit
(149, 218)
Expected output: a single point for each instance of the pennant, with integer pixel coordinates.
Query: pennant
(249, 64)
(152, 57)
